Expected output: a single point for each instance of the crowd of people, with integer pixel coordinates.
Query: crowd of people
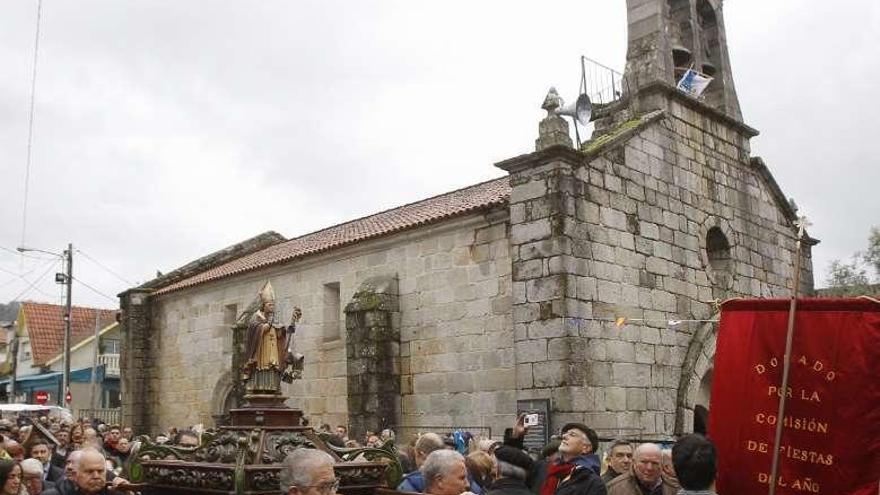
(569, 465)
(88, 457)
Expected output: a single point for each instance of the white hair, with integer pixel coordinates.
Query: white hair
(31, 466)
(438, 464)
(646, 447)
(298, 467)
(73, 458)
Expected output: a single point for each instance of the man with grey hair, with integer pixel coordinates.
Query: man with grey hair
(89, 476)
(32, 477)
(425, 445)
(646, 476)
(308, 472)
(445, 473)
(620, 456)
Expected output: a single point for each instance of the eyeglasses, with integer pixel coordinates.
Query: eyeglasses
(325, 488)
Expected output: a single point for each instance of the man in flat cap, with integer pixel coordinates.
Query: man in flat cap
(574, 472)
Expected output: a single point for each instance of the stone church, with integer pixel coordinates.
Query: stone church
(585, 278)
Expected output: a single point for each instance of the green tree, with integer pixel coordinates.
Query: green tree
(852, 278)
(872, 255)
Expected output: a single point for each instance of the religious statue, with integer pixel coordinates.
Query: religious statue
(269, 354)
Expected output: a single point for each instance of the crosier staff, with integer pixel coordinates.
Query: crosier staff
(293, 361)
(786, 358)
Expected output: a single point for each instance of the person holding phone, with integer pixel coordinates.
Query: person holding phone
(576, 469)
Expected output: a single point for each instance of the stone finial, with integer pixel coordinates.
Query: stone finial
(552, 102)
(553, 129)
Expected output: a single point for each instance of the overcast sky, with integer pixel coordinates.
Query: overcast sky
(165, 130)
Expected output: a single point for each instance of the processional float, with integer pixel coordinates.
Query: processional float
(245, 456)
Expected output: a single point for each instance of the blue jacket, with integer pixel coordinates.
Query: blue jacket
(415, 482)
(588, 461)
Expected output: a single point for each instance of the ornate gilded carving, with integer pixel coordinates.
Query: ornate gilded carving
(222, 448)
(361, 475)
(263, 480)
(276, 446)
(249, 459)
(227, 447)
(186, 477)
(386, 454)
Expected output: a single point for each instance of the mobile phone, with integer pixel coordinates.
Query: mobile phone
(531, 420)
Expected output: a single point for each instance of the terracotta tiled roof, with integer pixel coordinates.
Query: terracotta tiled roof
(45, 326)
(442, 207)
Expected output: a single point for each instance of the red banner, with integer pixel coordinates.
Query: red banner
(831, 429)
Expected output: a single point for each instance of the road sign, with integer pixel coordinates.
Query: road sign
(68, 398)
(41, 397)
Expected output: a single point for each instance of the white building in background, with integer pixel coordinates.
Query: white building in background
(34, 357)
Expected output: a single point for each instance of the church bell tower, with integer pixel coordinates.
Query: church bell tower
(668, 37)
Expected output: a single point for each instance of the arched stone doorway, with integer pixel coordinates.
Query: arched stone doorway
(695, 384)
(701, 407)
(223, 399)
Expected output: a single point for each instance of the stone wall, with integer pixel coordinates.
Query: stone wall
(137, 369)
(661, 216)
(373, 357)
(455, 340)
(625, 229)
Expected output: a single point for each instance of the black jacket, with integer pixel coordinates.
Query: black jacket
(63, 487)
(55, 473)
(508, 486)
(609, 475)
(582, 481)
(59, 459)
(67, 487)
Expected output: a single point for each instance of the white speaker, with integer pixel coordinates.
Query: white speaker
(581, 110)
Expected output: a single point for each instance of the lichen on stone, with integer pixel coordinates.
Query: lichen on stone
(620, 129)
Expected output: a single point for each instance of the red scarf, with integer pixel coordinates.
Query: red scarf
(555, 472)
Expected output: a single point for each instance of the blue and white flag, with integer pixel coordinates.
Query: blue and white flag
(694, 83)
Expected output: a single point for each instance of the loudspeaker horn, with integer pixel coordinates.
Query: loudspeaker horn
(581, 110)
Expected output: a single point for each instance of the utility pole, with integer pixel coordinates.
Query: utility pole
(94, 401)
(67, 279)
(68, 317)
(14, 358)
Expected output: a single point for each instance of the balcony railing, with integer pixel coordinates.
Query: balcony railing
(109, 416)
(111, 364)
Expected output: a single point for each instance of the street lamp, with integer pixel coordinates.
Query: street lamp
(66, 279)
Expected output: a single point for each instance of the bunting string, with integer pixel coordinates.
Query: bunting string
(621, 321)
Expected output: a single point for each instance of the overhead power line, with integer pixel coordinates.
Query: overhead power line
(30, 138)
(31, 286)
(22, 276)
(96, 291)
(106, 268)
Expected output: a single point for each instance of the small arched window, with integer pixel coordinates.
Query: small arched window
(718, 254)
(718, 250)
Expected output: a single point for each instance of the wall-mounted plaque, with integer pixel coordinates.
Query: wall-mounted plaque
(539, 435)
